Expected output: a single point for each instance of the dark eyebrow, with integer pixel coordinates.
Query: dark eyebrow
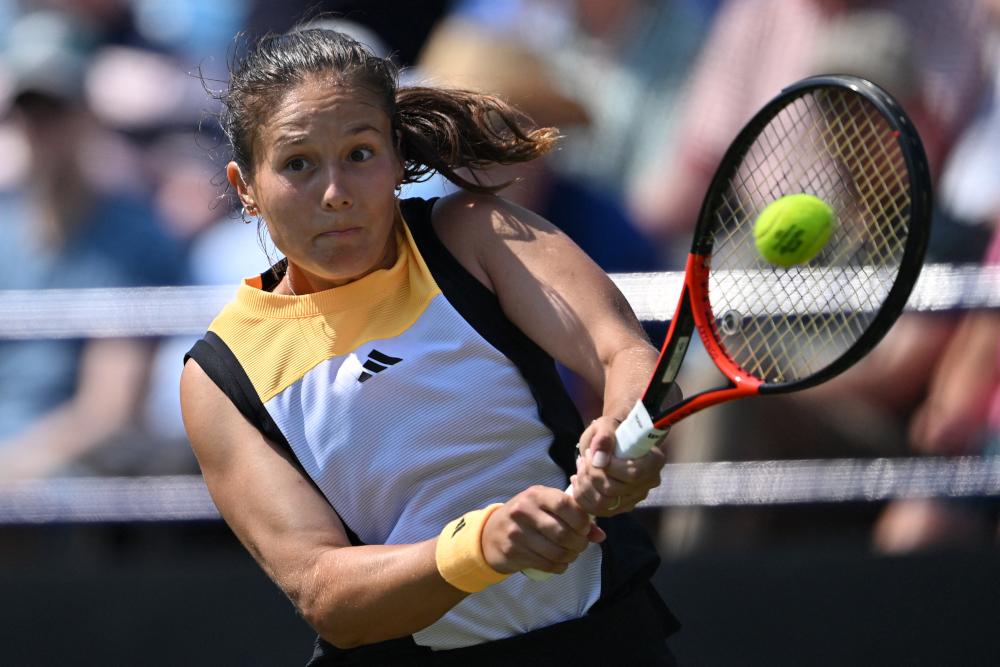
(362, 127)
(291, 138)
(295, 137)
(291, 141)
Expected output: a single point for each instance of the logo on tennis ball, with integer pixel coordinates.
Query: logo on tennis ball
(793, 229)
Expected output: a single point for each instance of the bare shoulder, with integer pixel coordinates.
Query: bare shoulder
(235, 457)
(194, 380)
(474, 213)
(209, 416)
(476, 228)
(220, 435)
(197, 390)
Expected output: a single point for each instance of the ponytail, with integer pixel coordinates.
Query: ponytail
(439, 130)
(445, 130)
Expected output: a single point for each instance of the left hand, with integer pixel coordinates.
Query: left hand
(606, 485)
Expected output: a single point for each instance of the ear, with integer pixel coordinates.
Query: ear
(243, 190)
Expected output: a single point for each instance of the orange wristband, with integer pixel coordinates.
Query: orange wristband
(459, 552)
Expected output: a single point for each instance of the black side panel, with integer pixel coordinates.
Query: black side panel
(221, 365)
(219, 362)
(481, 309)
(629, 555)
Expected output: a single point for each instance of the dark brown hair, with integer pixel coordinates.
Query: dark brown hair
(440, 130)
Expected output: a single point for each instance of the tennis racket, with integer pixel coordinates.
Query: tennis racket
(773, 330)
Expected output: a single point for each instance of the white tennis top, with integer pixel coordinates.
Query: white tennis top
(406, 417)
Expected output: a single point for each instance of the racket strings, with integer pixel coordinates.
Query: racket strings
(751, 198)
(783, 325)
(878, 173)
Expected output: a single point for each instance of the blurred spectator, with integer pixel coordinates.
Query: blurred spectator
(196, 32)
(461, 54)
(969, 188)
(402, 26)
(756, 47)
(627, 62)
(71, 226)
(619, 65)
(961, 412)
(960, 416)
(106, 21)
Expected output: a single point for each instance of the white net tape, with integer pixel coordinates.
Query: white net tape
(941, 287)
(825, 481)
(187, 311)
(185, 498)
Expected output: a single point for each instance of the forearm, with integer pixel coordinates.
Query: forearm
(362, 595)
(605, 484)
(626, 375)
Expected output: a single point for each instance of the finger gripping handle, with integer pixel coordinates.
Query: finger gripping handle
(634, 437)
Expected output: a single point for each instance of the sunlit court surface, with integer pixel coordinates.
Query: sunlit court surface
(848, 514)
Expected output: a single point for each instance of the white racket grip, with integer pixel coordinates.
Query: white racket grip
(634, 437)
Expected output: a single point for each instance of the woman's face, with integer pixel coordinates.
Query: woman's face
(324, 180)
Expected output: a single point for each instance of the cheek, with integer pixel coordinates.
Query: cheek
(387, 174)
(283, 219)
(278, 237)
(278, 201)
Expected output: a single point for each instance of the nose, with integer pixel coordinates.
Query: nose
(336, 194)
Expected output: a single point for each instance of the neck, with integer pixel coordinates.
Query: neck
(298, 281)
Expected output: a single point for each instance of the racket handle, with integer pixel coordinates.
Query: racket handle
(540, 575)
(634, 437)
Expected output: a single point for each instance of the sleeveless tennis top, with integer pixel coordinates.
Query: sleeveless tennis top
(408, 398)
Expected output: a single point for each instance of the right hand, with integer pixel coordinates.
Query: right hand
(541, 528)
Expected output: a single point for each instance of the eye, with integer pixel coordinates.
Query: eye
(297, 164)
(361, 154)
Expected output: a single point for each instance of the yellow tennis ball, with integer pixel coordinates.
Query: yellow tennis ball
(793, 229)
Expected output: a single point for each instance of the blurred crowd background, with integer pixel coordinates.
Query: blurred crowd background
(111, 175)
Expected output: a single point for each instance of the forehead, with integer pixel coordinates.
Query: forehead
(323, 103)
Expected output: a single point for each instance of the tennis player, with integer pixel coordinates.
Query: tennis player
(378, 416)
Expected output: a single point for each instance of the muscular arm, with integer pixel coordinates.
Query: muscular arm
(564, 302)
(552, 291)
(350, 595)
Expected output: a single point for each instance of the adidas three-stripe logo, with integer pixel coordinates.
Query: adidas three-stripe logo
(376, 363)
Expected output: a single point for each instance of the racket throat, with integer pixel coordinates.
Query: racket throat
(694, 314)
(659, 395)
(744, 387)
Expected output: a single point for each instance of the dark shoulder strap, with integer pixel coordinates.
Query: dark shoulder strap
(630, 556)
(221, 365)
(481, 309)
(225, 370)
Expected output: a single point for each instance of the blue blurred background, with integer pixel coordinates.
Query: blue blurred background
(111, 175)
